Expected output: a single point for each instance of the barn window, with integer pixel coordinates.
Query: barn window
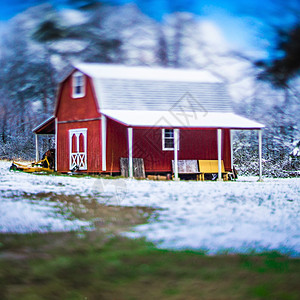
(168, 139)
(78, 85)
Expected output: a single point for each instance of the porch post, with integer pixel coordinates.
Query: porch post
(103, 141)
(260, 154)
(130, 160)
(231, 148)
(219, 154)
(37, 156)
(176, 154)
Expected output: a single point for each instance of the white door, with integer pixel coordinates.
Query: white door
(78, 148)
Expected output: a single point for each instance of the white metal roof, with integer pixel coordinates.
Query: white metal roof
(96, 70)
(180, 119)
(164, 95)
(144, 88)
(50, 119)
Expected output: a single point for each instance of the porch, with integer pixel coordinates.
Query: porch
(177, 122)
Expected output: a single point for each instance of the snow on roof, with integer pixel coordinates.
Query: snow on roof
(47, 122)
(180, 119)
(145, 88)
(163, 95)
(95, 70)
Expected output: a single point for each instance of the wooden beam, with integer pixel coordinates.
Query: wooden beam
(219, 133)
(103, 141)
(130, 160)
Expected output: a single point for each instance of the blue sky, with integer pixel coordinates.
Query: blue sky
(154, 8)
(232, 16)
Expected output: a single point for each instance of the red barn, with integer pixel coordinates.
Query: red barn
(106, 112)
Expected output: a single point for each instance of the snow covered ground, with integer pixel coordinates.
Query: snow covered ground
(236, 216)
(20, 214)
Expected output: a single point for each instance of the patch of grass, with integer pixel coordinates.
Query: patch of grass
(79, 175)
(109, 218)
(93, 266)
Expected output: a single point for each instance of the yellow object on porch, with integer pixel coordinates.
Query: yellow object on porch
(211, 167)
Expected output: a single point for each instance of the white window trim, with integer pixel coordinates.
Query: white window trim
(163, 140)
(77, 132)
(74, 94)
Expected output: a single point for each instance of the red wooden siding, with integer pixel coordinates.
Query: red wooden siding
(226, 152)
(117, 145)
(76, 108)
(194, 144)
(147, 144)
(93, 145)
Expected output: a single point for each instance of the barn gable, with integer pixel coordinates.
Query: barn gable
(74, 107)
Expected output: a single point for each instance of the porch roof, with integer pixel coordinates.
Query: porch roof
(46, 127)
(181, 119)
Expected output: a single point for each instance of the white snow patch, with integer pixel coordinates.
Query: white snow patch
(236, 216)
(20, 215)
(239, 216)
(23, 216)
